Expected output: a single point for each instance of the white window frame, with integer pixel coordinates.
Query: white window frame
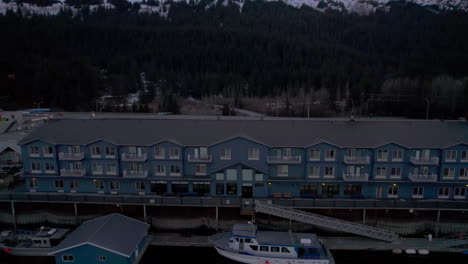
(314, 172)
(327, 169)
(200, 169)
(314, 154)
(34, 151)
(463, 173)
(396, 176)
(111, 172)
(446, 193)
(49, 170)
(160, 170)
(61, 186)
(450, 174)
(68, 258)
(464, 156)
(459, 193)
(382, 155)
(95, 150)
(219, 176)
(379, 174)
(247, 175)
(45, 151)
(419, 193)
(282, 170)
(329, 157)
(36, 170)
(397, 157)
(159, 153)
(450, 155)
(174, 153)
(173, 171)
(98, 185)
(253, 154)
(74, 184)
(392, 191)
(114, 185)
(138, 186)
(97, 169)
(109, 152)
(225, 153)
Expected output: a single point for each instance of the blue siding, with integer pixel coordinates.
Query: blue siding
(87, 254)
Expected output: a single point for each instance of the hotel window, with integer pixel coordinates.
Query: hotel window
(392, 191)
(444, 192)
(33, 151)
(314, 154)
(330, 154)
(74, 184)
(309, 189)
(200, 169)
(225, 153)
(231, 175)
(50, 167)
(58, 183)
(382, 155)
(174, 170)
(247, 175)
(397, 155)
(97, 168)
(329, 172)
(282, 170)
(99, 185)
(381, 172)
(314, 172)
(35, 167)
(75, 149)
(449, 173)
(48, 151)
(33, 183)
(418, 192)
(110, 152)
(96, 152)
(231, 188)
(395, 173)
(111, 169)
(220, 188)
(352, 189)
(283, 152)
(159, 188)
(460, 193)
(220, 176)
(139, 186)
(160, 170)
(174, 153)
(463, 173)
(114, 185)
(159, 153)
(102, 258)
(464, 155)
(259, 177)
(450, 155)
(67, 258)
(253, 154)
(202, 188)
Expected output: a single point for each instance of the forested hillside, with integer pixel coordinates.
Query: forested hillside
(395, 59)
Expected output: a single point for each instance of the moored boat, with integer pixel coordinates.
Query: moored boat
(31, 243)
(246, 244)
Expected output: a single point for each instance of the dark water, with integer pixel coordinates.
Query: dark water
(189, 255)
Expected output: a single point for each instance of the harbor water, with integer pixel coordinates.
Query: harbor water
(189, 255)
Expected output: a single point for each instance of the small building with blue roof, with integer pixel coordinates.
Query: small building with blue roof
(113, 238)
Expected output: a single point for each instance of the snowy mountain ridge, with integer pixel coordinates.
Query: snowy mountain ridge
(162, 7)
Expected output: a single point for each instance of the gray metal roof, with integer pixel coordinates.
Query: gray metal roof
(115, 232)
(282, 132)
(286, 238)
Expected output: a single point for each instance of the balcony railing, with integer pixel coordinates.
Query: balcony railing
(355, 177)
(425, 161)
(284, 159)
(357, 160)
(134, 157)
(73, 173)
(199, 158)
(423, 177)
(135, 174)
(71, 156)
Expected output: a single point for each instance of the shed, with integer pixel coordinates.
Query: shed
(113, 238)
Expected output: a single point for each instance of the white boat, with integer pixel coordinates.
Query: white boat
(31, 243)
(246, 244)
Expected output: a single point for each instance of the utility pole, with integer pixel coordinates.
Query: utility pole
(360, 106)
(427, 109)
(308, 107)
(277, 105)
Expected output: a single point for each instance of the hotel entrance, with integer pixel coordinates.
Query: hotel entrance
(247, 190)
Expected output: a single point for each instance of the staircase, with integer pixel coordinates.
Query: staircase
(326, 222)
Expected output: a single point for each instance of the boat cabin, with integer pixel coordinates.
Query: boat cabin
(48, 237)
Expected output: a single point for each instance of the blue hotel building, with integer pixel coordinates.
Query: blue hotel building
(242, 157)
